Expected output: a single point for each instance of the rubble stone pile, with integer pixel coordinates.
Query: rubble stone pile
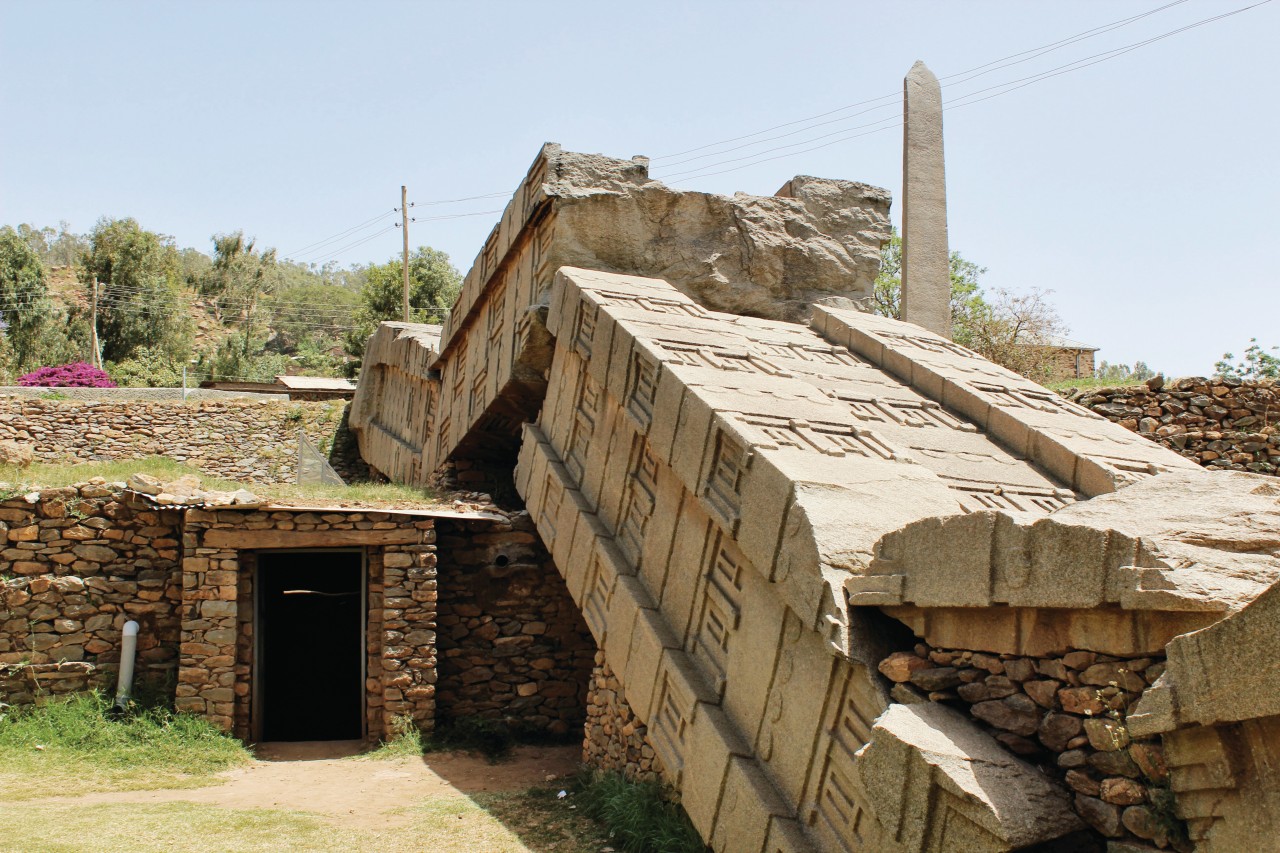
(511, 643)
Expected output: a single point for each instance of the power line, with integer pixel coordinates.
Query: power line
(896, 95)
(359, 227)
(959, 101)
(454, 215)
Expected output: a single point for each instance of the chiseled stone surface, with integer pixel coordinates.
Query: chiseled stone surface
(462, 391)
(1217, 710)
(938, 783)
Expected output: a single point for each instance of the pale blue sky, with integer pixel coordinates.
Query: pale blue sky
(1142, 190)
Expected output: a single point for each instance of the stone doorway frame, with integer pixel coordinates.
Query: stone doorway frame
(219, 556)
(251, 568)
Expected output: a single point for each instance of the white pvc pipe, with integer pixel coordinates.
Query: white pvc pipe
(128, 650)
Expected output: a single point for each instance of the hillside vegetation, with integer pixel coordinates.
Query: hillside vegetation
(238, 312)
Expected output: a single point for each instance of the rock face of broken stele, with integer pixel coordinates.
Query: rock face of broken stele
(752, 514)
(764, 256)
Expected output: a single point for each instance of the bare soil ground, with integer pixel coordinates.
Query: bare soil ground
(327, 797)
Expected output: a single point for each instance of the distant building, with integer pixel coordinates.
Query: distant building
(1071, 359)
(307, 388)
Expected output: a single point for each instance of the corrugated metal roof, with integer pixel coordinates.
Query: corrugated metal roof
(316, 383)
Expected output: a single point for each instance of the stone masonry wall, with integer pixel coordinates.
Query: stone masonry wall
(1065, 713)
(614, 738)
(217, 628)
(512, 642)
(79, 562)
(1220, 423)
(249, 441)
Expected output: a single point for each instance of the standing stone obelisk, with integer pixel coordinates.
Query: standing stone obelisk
(926, 268)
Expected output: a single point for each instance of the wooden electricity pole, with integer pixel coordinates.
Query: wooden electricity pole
(404, 226)
(95, 356)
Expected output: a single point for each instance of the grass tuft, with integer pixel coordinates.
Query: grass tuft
(405, 741)
(640, 817)
(75, 744)
(493, 739)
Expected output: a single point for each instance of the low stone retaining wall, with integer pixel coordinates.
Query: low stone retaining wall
(1065, 713)
(247, 441)
(77, 564)
(513, 645)
(114, 395)
(1220, 423)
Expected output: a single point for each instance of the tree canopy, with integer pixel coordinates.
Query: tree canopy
(1015, 330)
(433, 287)
(1257, 363)
(34, 329)
(140, 302)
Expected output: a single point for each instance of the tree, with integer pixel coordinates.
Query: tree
(140, 301)
(1122, 374)
(966, 292)
(36, 331)
(433, 287)
(57, 248)
(240, 276)
(1015, 330)
(1257, 363)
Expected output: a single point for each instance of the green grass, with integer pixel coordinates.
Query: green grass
(513, 822)
(54, 475)
(639, 817)
(74, 745)
(164, 827)
(1089, 384)
(406, 741)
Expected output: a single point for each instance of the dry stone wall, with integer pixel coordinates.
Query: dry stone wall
(513, 645)
(248, 441)
(79, 562)
(1067, 714)
(1223, 424)
(614, 737)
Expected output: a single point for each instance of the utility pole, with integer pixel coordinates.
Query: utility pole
(93, 329)
(404, 226)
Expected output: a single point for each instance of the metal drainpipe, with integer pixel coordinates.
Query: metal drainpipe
(128, 650)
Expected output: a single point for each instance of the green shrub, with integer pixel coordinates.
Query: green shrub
(147, 368)
(494, 739)
(640, 817)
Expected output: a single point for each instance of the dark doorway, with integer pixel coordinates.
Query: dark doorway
(310, 646)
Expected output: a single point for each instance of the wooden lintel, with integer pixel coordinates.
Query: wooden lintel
(240, 539)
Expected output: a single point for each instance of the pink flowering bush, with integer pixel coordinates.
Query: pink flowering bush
(78, 374)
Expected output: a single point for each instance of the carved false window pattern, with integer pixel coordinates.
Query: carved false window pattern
(644, 388)
(724, 484)
(642, 490)
(721, 613)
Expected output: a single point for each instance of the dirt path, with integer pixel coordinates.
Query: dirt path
(362, 793)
